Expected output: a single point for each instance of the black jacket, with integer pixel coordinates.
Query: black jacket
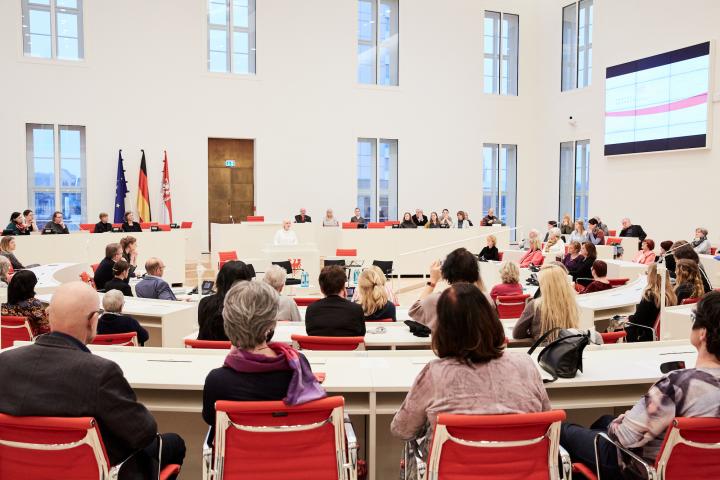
(489, 253)
(634, 231)
(117, 323)
(335, 316)
(104, 273)
(420, 222)
(645, 314)
(101, 227)
(388, 311)
(117, 284)
(135, 227)
(210, 318)
(58, 377)
(583, 274)
(300, 219)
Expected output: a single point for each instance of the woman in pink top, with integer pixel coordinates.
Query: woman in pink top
(534, 255)
(510, 276)
(473, 374)
(646, 255)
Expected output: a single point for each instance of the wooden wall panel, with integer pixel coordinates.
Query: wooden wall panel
(231, 190)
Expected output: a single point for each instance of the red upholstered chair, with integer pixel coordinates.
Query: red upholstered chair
(186, 225)
(305, 301)
(613, 241)
(612, 233)
(255, 218)
(618, 282)
(376, 225)
(209, 344)
(690, 450)
(511, 306)
(314, 440)
(489, 447)
(613, 337)
(88, 227)
(390, 223)
(94, 267)
(117, 225)
(224, 257)
(53, 447)
(14, 329)
(346, 252)
(713, 250)
(691, 300)
(328, 343)
(121, 339)
(349, 225)
(500, 256)
(145, 225)
(383, 320)
(164, 228)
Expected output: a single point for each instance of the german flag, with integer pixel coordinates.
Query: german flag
(143, 195)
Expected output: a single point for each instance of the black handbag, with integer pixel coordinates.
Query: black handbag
(417, 329)
(562, 358)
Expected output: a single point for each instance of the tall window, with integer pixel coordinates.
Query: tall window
(378, 41)
(377, 179)
(500, 182)
(501, 44)
(56, 172)
(231, 36)
(53, 29)
(577, 20)
(574, 178)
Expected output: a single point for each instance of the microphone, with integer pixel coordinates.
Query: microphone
(232, 220)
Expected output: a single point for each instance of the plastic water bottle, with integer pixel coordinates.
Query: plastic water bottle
(356, 276)
(304, 279)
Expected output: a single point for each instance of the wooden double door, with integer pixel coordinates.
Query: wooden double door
(231, 189)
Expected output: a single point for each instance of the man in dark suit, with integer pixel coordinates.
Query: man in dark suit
(58, 376)
(334, 315)
(302, 218)
(419, 218)
(104, 272)
(152, 285)
(630, 230)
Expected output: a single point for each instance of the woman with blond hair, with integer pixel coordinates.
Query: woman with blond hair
(533, 256)
(579, 234)
(510, 276)
(373, 296)
(647, 311)
(688, 281)
(566, 226)
(490, 252)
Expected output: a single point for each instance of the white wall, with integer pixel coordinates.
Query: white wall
(144, 84)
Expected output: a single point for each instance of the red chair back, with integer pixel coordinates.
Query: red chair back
(691, 300)
(186, 225)
(690, 449)
(612, 233)
(349, 225)
(88, 227)
(117, 225)
(121, 339)
(500, 256)
(209, 344)
(310, 436)
(346, 252)
(390, 223)
(498, 447)
(618, 282)
(305, 301)
(384, 320)
(14, 329)
(255, 218)
(145, 225)
(376, 225)
(511, 306)
(224, 257)
(94, 267)
(613, 241)
(613, 337)
(328, 343)
(164, 228)
(713, 250)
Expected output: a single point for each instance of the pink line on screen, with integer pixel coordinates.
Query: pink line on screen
(667, 107)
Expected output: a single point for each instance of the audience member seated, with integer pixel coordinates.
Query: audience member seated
(275, 276)
(700, 243)
(434, 221)
(420, 219)
(255, 370)
(7, 249)
(573, 259)
(407, 221)
(688, 283)
(30, 224)
(210, 308)
(463, 220)
(56, 225)
(555, 244)
(469, 343)
(630, 230)
(534, 256)
(129, 252)
(388, 289)
(582, 273)
(152, 285)
(103, 225)
(579, 234)
(303, 217)
(550, 225)
(566, 226)
(17, 225)
(21, 302)
(510, 278)
(603, 227)
(113, 321)
(334, 315)
(596, 235)
(445, 220)
(667, 258)
(556, 308)
(490, 251)
(645, 255)
(130, 225)
(104, 272)
(330, 220)
(285, 236)
(599, 275)
(357, 218)
(688, 392)
(533, 234)
(460, 266)
(373, 297)
(647, 311)
(489, 219)
(69, 381)
(684, 250)
(119, 281)
(4, 271)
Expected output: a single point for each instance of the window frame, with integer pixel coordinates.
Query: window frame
(498, 56)
(578, 147)
(230, 29)
(497, 191)
(376, 44)
(26, 6)
(575, 52)
(376, 192)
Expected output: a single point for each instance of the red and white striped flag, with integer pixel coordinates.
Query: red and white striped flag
(166, 206)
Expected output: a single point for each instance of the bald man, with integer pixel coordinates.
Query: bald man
(59, 376)
(152, 285)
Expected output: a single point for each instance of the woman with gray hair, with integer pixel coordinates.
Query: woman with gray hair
(113, 321)
(256, 370)
(287, 308)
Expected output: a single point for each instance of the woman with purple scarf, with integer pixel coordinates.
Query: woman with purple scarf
(256, 370)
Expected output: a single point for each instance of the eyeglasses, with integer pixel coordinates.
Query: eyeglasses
(99, 312)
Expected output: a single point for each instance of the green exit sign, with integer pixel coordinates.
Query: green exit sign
(230, 163)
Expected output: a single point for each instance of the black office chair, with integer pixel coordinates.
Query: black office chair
(251, 270)
(385, 265)
(327, 263)
(288, 268)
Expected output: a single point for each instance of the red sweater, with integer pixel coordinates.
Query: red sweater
(503, 289)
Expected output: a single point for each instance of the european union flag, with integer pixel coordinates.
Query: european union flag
(120, 191)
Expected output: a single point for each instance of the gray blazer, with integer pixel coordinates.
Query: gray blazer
(154, 287)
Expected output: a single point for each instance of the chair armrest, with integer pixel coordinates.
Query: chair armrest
(352, 447)
(207, 456)
(566, 464)
(648, 468)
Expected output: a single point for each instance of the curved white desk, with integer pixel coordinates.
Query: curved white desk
(53, 275)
